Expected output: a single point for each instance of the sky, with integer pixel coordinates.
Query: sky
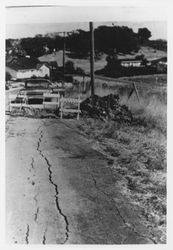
(158, 29)
(29, 21)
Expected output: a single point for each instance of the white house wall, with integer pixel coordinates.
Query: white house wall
(131, 64)
(12, 72)
(41, 72)
(26, 73)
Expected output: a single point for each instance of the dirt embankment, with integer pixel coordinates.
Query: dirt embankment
(137, 154)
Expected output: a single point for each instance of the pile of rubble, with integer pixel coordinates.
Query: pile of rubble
(106, 108)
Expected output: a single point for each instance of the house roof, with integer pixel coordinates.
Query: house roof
(161, 59)
(130, 60)
(53, 63)
(22, 63)
(50, 63)
(40, 64)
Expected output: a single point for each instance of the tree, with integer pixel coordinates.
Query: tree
(79, 71)
(8, 76)
(39, 45)
(143, 34)
(79, 43)
(69, 67)
(109, 39)
(46, 76)
(8, 43)
(158, 44)
(113, 64)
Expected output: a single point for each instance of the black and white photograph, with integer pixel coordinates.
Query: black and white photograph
(85, 125)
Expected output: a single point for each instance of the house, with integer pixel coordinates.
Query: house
(131, 62)
(51, 64)
(27, 67)
(159, 63)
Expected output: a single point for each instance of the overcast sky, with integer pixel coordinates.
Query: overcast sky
(29, 21)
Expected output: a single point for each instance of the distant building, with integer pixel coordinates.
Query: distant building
(27, 67)
(131, 62)
(51, 64)
(159, 63)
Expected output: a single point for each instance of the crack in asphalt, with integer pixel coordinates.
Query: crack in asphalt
(32, 163)
(36, 214)
(55, 186)
(27, 235)
(35, 198)
(44, 237)
(128, 225)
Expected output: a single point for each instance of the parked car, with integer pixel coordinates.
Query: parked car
(34, 90)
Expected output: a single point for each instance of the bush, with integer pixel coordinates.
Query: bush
(69, 67)
(46, 76)
(33, 77)
(68, 78)
(79, 71)
(8, 76)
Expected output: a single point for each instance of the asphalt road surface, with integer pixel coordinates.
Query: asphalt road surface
(61, 191)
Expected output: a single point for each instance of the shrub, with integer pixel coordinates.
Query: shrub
(69, 67)
(8, 76)
(79, 71)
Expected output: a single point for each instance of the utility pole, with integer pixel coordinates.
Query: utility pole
(92, 57)
(63, 63)
(64, 34)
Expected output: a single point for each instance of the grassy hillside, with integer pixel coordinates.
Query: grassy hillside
(101, 63)
(136, 154)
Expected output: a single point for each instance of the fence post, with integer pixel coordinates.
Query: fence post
(136, 91)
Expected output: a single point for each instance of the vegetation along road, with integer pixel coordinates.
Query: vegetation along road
(62, 191)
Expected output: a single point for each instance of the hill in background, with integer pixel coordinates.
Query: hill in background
(147, 51)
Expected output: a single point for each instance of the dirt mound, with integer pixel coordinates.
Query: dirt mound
(105, 108)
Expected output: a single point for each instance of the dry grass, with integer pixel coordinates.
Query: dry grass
(101, 63)
(137, 153)
(82, 63)
(152, 108)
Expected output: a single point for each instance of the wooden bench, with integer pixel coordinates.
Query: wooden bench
(64, 109)
(51, 102)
